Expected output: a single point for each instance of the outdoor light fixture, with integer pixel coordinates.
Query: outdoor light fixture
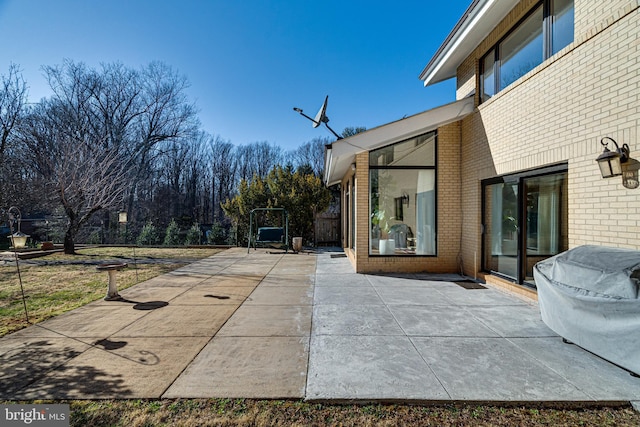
(18, 239)
(610, 162)
(405, 199)
(353, 167)
(630, 178)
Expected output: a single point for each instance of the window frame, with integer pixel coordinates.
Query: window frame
(517, 178)
(547, 46)
(408, 167)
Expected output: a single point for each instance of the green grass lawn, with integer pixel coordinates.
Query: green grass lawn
(56, 288)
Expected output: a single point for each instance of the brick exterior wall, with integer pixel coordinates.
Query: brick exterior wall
(449, 214)
(557, 113)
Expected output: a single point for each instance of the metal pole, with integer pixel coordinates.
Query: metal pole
(24, 300)
(286, 231)
(13, 217)
(250, 230)
(135, 263)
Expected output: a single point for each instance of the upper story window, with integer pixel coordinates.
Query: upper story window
(546, 29)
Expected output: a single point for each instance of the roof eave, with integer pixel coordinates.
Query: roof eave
(341, 154)
(480, 18)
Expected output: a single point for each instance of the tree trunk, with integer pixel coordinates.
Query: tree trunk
(69, 244)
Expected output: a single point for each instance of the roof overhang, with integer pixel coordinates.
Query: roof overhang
(476, 23)
(341, 154)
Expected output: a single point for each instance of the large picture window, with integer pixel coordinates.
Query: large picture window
(543, 32)
(402, 181)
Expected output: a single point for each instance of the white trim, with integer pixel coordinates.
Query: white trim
(456, 43)
(473, 27)
(340, 155)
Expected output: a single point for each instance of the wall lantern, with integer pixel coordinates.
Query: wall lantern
(630, 172)
(630, 178)
(610, 162)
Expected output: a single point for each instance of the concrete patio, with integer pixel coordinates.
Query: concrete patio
(275, 325)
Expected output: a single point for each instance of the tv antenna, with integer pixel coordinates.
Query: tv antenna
(320, 118)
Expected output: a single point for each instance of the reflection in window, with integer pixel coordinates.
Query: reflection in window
(488, 78)
(524, 222)
(501, 228)
(402, 180)
(527, 45)
(418, 151)
(521, 51)
(563, 18)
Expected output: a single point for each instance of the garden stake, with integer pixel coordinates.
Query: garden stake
(135, 264)
(24, 301)
(15, 216)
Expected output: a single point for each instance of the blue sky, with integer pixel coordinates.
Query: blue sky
(250, 62)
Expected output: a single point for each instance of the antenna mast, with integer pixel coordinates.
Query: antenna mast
(320, 118)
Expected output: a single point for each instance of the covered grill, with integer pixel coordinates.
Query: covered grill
(590, 296)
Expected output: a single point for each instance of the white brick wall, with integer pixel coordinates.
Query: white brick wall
(449, 214)
(558, 112)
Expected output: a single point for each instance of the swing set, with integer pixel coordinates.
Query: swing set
(270, 236)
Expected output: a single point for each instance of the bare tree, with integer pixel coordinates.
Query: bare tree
(350, 131)
(87, 186)
(266, 157)
(258, 159)
(13, 98)
(109, 114)
(181, 166)
(128, 110)
(244, 162)
(163, 114)
(224, 174)
(197, 178)
(311, 154)
(78, 173)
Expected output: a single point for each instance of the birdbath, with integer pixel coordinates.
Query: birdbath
(111, 268)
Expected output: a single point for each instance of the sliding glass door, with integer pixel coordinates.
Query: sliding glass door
(524, 221)
(545, 223)
(501, 228)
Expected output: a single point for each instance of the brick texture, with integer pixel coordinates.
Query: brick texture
(449, 216)
(556, 113)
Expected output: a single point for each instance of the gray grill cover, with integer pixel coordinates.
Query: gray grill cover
(590, 296)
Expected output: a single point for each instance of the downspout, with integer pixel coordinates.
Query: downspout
(327, 164)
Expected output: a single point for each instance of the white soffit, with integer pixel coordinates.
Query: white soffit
(341, 154)
(473, 27)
